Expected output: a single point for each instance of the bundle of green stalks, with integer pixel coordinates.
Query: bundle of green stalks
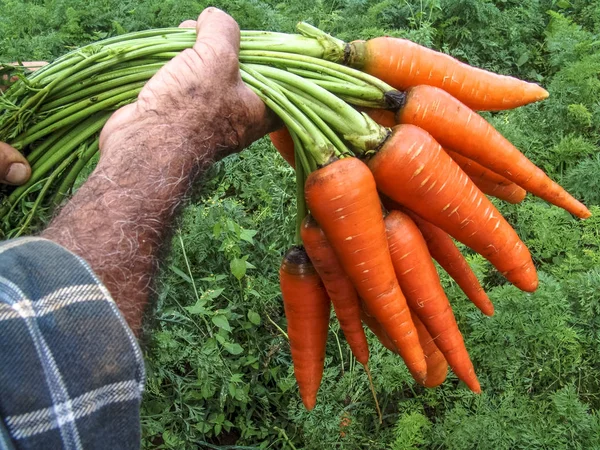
(55, 114)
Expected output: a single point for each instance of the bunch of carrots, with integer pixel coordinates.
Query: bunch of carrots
(377, 220)
(392, 162)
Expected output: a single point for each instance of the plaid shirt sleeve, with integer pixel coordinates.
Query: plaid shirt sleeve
(71, 371)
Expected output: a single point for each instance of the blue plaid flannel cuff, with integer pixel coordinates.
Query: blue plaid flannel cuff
(71, 371)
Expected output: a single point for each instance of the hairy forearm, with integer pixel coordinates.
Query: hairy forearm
(119, 219)
(194, 110)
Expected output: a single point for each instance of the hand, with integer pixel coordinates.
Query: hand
(199, 89)
(194, 110)
(7, 80)
(14, 168)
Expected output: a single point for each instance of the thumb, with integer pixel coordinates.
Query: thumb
(220, 28)
(14, 168)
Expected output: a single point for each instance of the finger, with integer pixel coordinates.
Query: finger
(14, 168)
(188, 24)
(217, 26)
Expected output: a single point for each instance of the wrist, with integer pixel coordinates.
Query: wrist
(158, 140)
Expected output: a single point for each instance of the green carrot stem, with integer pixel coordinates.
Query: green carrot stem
(336, 46)
(301, 208)
(7, 208)
(99, 62)
(307, 62)
(290, 122)
(81, 110)
(149, 34)
(319, 147)
(110, 59)
(40, 149)
(72, 140)
(288, 61)
(43, 192)
(309, 107)
(361, 142)
(32, 102)
(165, 56)
(99, 90)
(250, 34)
(54, 67)
(306, 73)
(345, 120)
(316, 46)
(290, 44)
(364, 103)
(136, 68)
(69, 180)
(350, 91)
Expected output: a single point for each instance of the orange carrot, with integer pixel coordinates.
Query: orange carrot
(339, 287)
(307, 311)
(489, 182)
(476, 170)
(377, 329)
(404, 64)
(445, 252)
(412, 169)
(282, 141)
(511, 193)
(437, 367)
(426, 298)
(458, 128)
(343, 198)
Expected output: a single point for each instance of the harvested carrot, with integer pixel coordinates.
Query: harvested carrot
(425, 296)
(341, 292)
(307, 310)
(412, 169)
(282, 141)
(445, 252)
(476, 170)
(404, 64)
(377, 329)
(512, 193)
(338, 285)
(458, 128)
(343, 198)
(489, 182)
(437, 367)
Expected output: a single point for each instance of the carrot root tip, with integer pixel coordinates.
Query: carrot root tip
(309, 403)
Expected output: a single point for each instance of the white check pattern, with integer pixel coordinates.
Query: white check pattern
(53, 302)
(49, 418)
(58, 391)
(64, 412)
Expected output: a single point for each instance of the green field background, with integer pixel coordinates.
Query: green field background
(219, 368)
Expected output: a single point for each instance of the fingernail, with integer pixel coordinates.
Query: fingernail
(17, 173)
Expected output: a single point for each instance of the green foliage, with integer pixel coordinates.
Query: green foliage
(219, 368)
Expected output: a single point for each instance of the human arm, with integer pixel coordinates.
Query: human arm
(194, 111)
